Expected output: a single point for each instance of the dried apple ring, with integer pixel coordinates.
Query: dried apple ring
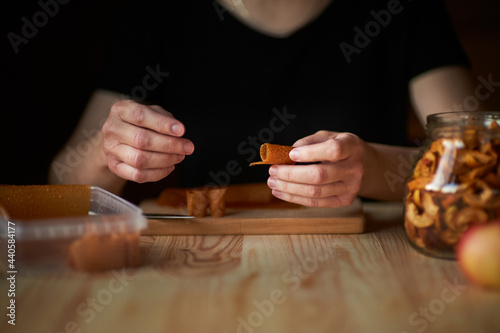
(476, 173)
(437, 147)
(419, 183)
(449, 215)
(420, 220)
(417, 198)
(430, 208)
(479, 194)
(474, 158)
(467, 216)
(444, 170)
(449, 237)
(492, 180)
(426, 166)
(489, 149)
(470, 137)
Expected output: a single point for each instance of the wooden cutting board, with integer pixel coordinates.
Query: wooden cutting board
(259, 221)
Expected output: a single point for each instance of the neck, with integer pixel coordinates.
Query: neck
(278, 18)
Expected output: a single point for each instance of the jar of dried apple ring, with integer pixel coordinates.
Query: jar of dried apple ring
(456, 181)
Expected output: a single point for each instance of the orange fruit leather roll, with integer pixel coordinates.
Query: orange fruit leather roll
(197, 202)
(216, 199)
(274, 154)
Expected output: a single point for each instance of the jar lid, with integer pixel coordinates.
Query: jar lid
(463, 118)
(460, 119)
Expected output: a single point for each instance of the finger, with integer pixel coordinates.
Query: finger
(145, 139)
(161, 110)
(141, 159)
(317, 137)
(334, 149)
(316, 174)
(333, 201)
(308, 190)
(128, 172)
(148, 117)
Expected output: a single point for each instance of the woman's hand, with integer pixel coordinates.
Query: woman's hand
(143, 143)
(334, 182)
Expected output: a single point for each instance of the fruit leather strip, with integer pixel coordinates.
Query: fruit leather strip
(172, 196)
(253, 193)
(97, 253)
(28, 202)
(250, 195)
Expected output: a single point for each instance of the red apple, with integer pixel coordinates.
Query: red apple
(478, 254)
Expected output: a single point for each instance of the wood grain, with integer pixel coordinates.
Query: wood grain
(370, 282)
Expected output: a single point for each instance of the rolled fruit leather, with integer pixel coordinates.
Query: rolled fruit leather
(274, 154)
(197, 202)
(216, 199)
(199, 199)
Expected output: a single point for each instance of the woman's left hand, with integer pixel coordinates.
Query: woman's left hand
(333, 182)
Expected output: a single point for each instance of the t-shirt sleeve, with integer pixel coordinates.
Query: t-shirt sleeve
(434, 42)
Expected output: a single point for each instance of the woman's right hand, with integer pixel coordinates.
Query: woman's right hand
(143, 143)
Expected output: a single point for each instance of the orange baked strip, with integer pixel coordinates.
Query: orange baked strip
(274, 154)
(97, 253)
(251, 195)
(28, 202)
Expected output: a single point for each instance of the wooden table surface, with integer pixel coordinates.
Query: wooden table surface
(371, 282)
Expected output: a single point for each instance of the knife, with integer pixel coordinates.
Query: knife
(166, 216)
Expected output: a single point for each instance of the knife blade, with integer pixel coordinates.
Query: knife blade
(153, 216)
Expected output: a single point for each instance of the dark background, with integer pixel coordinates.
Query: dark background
(46, 85)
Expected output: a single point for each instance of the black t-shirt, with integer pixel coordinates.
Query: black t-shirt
(235, 88)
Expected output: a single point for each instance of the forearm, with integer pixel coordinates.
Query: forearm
(387, 167)
(386, 170)
(82, 159)
(84, 162)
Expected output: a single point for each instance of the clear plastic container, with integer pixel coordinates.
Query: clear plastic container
(107, 238)
(456, 182)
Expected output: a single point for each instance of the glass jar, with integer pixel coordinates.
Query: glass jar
(455, 182)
